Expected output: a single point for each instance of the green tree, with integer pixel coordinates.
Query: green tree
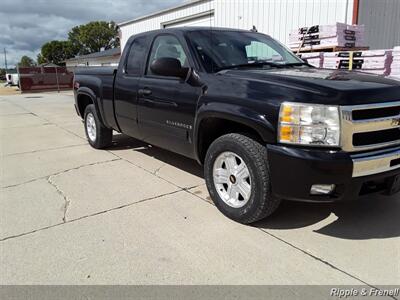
(40, 59)
(93, 36)
(56, 52)
(26, 61)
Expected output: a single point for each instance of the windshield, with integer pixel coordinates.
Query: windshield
(226, 49)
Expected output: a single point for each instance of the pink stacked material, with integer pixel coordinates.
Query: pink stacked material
(395, 67)
(371, 61)
(339, 60)
(375, 61)
(313, 58)
(323, 36)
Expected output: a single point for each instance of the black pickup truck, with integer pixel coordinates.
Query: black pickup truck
(265, 124)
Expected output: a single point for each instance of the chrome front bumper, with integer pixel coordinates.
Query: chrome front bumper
(376, 162)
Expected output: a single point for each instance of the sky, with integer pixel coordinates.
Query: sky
(25, 25)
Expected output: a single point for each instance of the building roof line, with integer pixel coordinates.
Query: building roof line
(161, 12)
(106, 53)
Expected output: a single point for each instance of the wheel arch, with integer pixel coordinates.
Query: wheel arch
(85, 97)
(213, 123)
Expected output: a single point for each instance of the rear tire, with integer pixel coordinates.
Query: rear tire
(97, 134)
(238, 179)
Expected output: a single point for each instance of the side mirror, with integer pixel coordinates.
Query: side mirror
(168, 66)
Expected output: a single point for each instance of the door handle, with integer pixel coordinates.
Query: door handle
(160, 103)
(144, 92)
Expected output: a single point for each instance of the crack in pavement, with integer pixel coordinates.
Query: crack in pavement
(16, 114)
(25, 126)
(110, 151)
(62, 128)
(44, 150)
(66, 201)
(61, 172)
(144, 169)
(155, 173)
(46, 120)
(319, 259)
(188, 190)
(88, 216)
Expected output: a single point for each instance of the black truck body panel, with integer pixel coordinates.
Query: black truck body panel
(295, 170)
(172, 113)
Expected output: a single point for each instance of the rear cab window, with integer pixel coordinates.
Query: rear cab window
(136, 56)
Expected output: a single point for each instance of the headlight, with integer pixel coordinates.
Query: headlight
(307, 124)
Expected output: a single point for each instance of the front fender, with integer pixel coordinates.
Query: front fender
(236, 113)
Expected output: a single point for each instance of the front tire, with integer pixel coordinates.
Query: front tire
(238, 179)
(97, 134)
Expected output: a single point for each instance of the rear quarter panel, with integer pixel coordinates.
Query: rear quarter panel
(98, 84)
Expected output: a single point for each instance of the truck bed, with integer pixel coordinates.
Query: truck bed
(99, 81)
(95, 70)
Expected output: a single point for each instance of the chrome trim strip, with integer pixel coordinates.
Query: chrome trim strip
(376, 124)
(376, 146)
(371, 105)
(350, 127)
(379, 163)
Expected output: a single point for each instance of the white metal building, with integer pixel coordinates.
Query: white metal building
(277, 17)
(103, 58)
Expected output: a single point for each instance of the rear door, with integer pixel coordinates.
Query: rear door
(126, 87)
(167, 105)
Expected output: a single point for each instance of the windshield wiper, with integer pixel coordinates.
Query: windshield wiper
(260, 64)
(254, 64)
(296, 64)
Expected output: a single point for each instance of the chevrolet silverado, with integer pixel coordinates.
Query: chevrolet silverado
(266, 125)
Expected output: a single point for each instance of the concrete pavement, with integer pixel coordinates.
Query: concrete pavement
(136, 214)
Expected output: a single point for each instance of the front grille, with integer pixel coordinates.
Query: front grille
(365, 114)
(372, 126)
(376, 137)
(395, 162)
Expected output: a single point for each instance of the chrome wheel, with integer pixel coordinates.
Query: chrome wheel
(91, 127)
(232, 179)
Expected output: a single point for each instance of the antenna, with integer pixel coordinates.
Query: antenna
(254, 29)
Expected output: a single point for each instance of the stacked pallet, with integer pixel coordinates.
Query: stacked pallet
(314, 58)
(325, 36)
(395, 68)
(376, 61)
(371, 61)
(338, 60)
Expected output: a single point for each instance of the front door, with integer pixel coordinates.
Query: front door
(167, 105)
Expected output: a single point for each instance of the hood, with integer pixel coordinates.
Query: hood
(334, 86)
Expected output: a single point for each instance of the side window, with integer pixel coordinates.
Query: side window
(136, 56)
(167, 46)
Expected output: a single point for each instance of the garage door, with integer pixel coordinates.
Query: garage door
(203, 21)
